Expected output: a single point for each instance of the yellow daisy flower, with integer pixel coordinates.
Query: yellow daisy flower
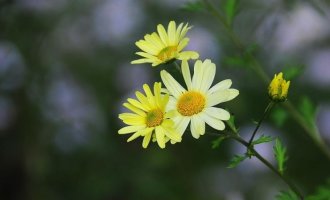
(163, 47)
(149, 118)
(196, 103)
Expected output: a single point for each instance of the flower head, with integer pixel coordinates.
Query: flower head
(196, 103)
(165, 46)
(278, 88)
(149, 118)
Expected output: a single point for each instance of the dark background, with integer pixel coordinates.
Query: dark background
(65, 71)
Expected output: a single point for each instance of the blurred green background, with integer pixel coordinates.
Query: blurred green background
(65, 72)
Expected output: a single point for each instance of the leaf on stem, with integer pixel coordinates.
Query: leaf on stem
(237, 159)
(216, 143)
(280, 155)
(262, 139)
(287, 195)
(195, 6)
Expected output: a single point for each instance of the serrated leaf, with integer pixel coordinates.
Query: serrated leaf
(279, 116)
(216, 143)
(289, 195)
(195, 6)
(280, 155)
(231, 124)
(293, 71)
(231, 10)
(263, 139)
(308, 110)
(237, 159)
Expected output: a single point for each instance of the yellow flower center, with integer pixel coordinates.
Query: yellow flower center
(154, 118)
(168, 53)
(191, 103)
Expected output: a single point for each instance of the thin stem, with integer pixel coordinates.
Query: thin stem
(270, 166)
(268, 108)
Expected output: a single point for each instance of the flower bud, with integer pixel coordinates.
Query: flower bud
(278, 88)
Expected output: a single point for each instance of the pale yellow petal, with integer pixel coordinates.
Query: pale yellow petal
(213, 122)
(197, 126)
(162, 34)
(198, 75)
(146, 140)
(217, 97)
(225, 84)
(160, 136)
(208, 75)
(217, 113)
(171, 33)
(145, 46)
(130, 129)
(137, 104)
(186, 55)
(183, 43)
(171, 84)
(186, 73)
(181, 124)
(134, 109)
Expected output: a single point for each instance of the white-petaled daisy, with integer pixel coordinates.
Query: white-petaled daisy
(196, 103)
(149, 118)
(163, 47)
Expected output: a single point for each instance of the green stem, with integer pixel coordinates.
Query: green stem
(178, 67)
(268, 108)
(270, 166)
(256, 66)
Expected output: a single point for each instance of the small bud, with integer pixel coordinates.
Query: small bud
(278, 88)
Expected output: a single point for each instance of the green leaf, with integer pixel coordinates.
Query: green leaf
(263, 139)
(322, 192)
(289, 195)
(279, 116)
(216, 143)
(293, 70)
(308, 110)
(231, 124)
(280, 155)
(237, 159)
(194, 6)
(231, 10)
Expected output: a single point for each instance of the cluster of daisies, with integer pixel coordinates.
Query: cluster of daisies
(163, 114)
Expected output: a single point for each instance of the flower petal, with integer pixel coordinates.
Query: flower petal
(130, 129)
(171, 84)
(171, 30)
(213, 122)
(160, 136)
(146, 140)
(181, 123)
(225, 84)
(198, 75)
(217, 97)
(217, 113)
(186, 55)
(197, 126)
(186, 73)
(208, 75)
(162, 34)
(135, 109)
